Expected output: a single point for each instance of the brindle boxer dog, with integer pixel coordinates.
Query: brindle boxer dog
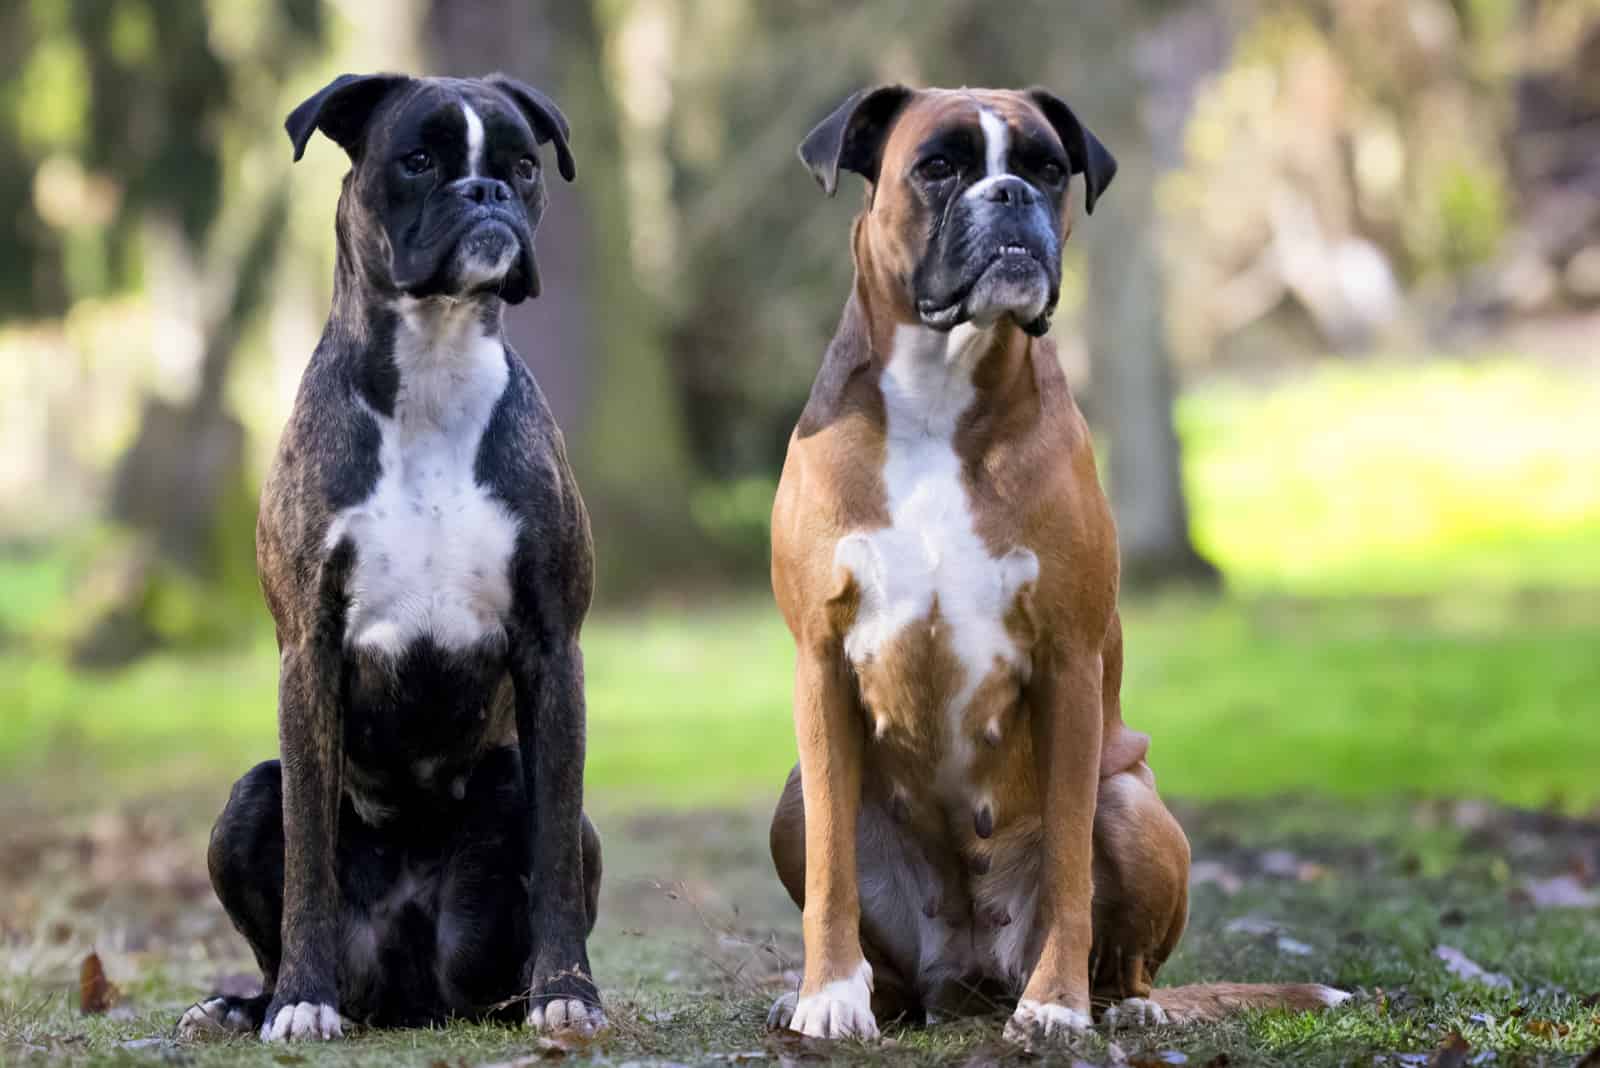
(970, 820)
(421, 851)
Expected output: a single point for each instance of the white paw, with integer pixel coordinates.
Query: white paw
(566, 1014)
(299, 1023)
(1035, 1019)
(1135, 1012)
(841, 1009)
(213, 1017)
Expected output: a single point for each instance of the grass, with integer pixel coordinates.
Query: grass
(1413, 558)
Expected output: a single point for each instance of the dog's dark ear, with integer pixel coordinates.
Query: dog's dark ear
(853, 136)
(341, 110)
(1084, 150)
(542, 114)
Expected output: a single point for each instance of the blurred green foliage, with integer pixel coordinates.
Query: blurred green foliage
(117, 115)
(1404, 633)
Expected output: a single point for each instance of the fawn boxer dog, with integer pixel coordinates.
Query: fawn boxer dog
(970, 820)
(421, 851)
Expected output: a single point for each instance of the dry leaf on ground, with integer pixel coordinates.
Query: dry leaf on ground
(96, 993)
(1462, 966)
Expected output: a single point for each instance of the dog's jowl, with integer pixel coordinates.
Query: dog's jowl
(420, 852)
(970, 822)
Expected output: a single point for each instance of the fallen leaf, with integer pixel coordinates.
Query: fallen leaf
(1546, 1028)
(1452, 1052)
(1561, 892)
(1294, 947)
(1159, 1060)
(549, 1048)
(1210, 872)
(1464, 967)
(96, 993)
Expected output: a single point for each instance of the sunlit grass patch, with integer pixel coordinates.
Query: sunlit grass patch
(1400, 478)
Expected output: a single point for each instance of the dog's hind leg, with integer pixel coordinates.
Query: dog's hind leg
(484, 929)
(246, 864)
(1141, 894)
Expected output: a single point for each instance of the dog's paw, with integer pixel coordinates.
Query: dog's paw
(1135, 1013)
(782, 1011)
(566, 1014)
(1036, 1019)
(565, 1001)
(220, 1016)
(302, 1021)
(841, 1009)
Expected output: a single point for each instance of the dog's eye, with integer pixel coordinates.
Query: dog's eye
(1052, 173)
(935, 169)
(527, 166)
(418, 162)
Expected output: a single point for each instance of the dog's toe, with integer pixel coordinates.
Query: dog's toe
(303, 1022)
(782, 1011)
(1135, 1012)
(218, 1016)
(567, 1014)
(1036, 1019)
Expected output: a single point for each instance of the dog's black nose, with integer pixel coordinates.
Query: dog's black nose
(483, 190)
(1010, 190)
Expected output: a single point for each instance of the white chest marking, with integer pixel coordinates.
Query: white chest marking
(931, 548)
(433, 548)
(474, 141)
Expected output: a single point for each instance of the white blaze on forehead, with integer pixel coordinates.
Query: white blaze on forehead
(474, 140)
(996, 152)
(931, 548)
(996, 142)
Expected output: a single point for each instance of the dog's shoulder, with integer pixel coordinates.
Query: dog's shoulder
(522, 459)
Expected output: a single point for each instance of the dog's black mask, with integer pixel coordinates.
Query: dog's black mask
(445, 187)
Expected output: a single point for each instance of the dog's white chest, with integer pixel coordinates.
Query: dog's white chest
(433, 547)
(930, 553)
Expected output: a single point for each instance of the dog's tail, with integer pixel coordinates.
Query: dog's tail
(1212, 1001)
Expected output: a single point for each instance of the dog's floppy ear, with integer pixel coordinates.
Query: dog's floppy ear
(853, 136)
(1084, 150)
(546, 119)
(341, 110)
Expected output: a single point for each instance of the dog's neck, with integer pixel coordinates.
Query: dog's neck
(990, 363)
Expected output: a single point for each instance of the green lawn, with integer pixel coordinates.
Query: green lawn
(1413, 559)
(1413, 614)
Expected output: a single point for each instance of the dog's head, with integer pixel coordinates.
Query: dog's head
(966, 208)
(445, 187)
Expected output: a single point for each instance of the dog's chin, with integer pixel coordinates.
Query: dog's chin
(1014, 286)
(489, 258)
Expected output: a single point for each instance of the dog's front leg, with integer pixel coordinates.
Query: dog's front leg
(836, 991)
(548, 677)
(1066, 722)
(305, 1003)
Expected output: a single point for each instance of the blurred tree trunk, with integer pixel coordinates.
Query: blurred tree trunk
(591, 337)
(1133, 383)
